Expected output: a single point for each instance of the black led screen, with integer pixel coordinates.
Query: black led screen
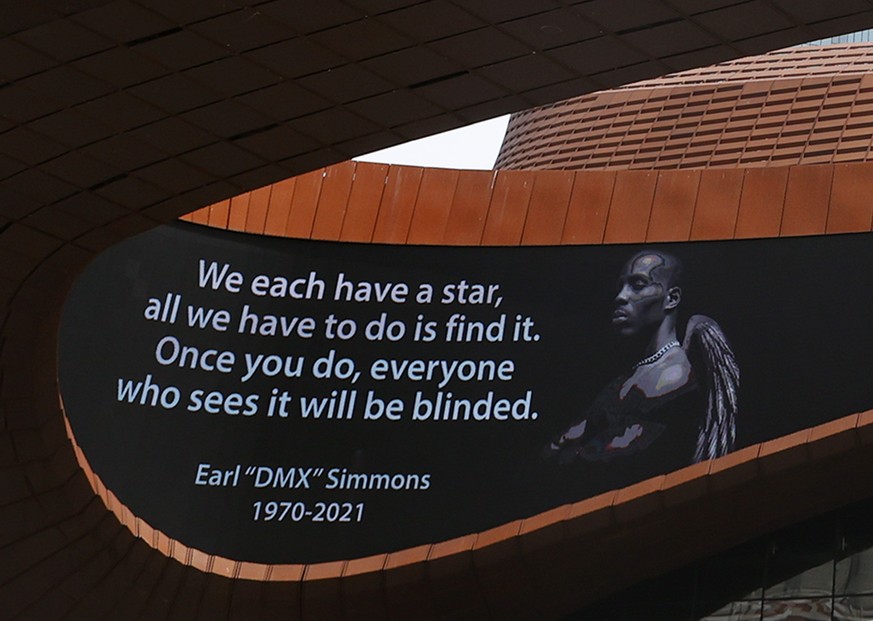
(286, 401)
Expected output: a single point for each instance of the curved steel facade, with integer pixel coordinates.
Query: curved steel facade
(804, 105)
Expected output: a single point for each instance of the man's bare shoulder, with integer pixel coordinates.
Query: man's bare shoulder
(671, 372)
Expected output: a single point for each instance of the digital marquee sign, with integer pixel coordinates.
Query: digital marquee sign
(287, 401)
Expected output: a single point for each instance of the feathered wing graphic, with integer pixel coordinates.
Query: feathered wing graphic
(716, 367)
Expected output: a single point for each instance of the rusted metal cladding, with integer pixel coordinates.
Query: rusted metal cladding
(802, 105)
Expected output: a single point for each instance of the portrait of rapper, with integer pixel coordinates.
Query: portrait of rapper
(677, 402)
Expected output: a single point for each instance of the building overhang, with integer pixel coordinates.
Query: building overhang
(119, 116)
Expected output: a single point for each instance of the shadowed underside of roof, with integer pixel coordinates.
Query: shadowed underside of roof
(159, 107)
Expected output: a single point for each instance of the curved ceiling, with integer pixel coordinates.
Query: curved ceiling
(161, 107)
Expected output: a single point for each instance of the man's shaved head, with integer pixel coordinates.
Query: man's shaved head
(662, 267)
(648, 293)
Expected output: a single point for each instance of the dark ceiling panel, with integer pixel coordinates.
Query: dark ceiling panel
(670, 38)
(184, 13)
(80, 170)
(461, 91)
(527, 72)
(173, 135)
(285, 101)
(123, 21)
(18, 60)
(20, 15)
(621, 15)
(174, 176)
(40, 187)
(124, 151)
(741, 22)
(338, 123)
(271, 143)
(345, 84)
(174, 93)
(63, 40)
(379, 7)
(390, 110)
(597, 55)
(233, 76)
(182, 49)
(9, 166)
(545, 31)
(32, 147)
(433, 20)
(481, 47)
(413, 66)
(244, 30)
(816, 11)
(130, 192)
(497, 11)
(121, 111)
(226, 119)
(296, 57)
(222, 159)
(309, 17)
(362, 39)
(74, 86)
(121, 66)
(696, 7)
(21, 104)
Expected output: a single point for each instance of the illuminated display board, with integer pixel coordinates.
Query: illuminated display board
(287, 401)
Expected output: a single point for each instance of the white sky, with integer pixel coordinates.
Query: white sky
(473, 147)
